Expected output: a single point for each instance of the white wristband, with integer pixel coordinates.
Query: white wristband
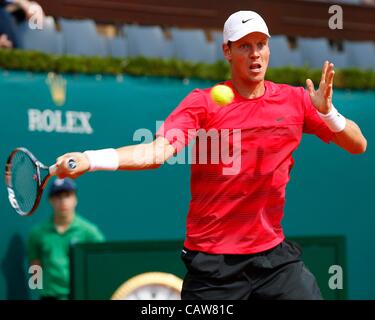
(104, 159)
(334, 120)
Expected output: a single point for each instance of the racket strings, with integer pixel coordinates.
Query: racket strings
(24, 181)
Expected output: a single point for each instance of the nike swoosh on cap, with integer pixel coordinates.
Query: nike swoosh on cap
(244, 21)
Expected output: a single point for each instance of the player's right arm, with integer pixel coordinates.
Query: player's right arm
(180, 127)
(135, 157)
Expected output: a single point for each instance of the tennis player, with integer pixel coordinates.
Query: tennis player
(235, 247)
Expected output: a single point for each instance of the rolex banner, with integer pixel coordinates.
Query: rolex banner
(330, 191)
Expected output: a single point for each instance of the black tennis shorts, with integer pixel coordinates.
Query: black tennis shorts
(277, 273)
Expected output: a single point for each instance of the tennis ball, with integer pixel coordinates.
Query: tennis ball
(222, 94)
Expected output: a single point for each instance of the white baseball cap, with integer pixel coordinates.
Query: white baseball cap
(241, 23)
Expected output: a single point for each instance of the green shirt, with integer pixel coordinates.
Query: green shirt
(52, 249)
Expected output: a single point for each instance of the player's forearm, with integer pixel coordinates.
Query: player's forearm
(351, 138)
(145, 156)
(137, 157)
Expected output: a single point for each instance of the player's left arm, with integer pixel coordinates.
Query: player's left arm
(349, 136)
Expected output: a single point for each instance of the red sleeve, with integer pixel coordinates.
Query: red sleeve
(312, 122)
(181, 125)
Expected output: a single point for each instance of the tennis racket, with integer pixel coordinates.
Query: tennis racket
(26, 177)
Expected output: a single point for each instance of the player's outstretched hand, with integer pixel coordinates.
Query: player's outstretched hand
(322, 98)
(64, 170)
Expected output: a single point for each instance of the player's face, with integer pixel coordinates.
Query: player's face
(248, 57)
(64, 203)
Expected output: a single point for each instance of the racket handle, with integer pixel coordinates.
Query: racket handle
(52, 170)
(72, 164)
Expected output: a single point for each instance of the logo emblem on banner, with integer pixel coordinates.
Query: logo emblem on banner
(65, 121)
(57, 87)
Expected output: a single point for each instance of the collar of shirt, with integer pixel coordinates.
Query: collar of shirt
(71, 227)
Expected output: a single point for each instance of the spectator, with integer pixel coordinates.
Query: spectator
(13, 12)
(5, 42)
(8, 36)
(50, 241)
(369, 2)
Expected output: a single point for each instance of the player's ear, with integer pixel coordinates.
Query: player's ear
(75, 199)
(227, 52)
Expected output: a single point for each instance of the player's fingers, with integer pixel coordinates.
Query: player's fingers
(60, 171)
(324, 71)
(72, 165)
(328, 92)
(328, 72)
(331, 75)
(62, 163)
(310, 87)
(329, 89)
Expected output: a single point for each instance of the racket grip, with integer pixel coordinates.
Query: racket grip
(72, 164)
(52, 170)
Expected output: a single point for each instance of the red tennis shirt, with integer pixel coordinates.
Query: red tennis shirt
(239, 176)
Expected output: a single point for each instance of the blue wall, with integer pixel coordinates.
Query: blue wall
(330, 192)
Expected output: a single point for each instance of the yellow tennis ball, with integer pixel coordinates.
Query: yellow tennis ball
(222, 94)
